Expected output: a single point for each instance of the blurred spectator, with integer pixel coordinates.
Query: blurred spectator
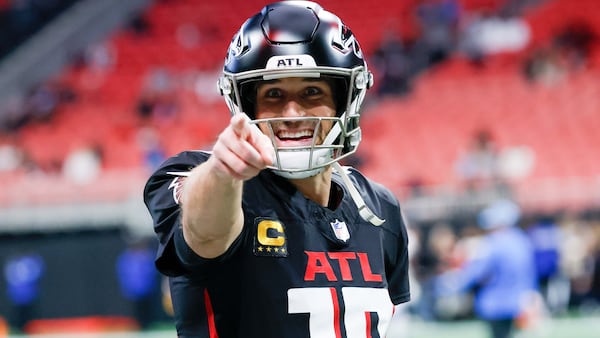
(487, 34)
(93, 65)
(467, 244)
(202, 84)
(544, 66)
(12, 115)
(38, 105)
(149, 143)
(145, 106)
(515, 162)
(568, 52)
(579, 246)
(392, 61)
(434, 259)
(442, 241)
(139, 25)
(398, 61)
(11, 155)
(158, 99)
(478, 167)
(42, 102)
(23, 273)
(160, 81)
(139, 280)
(83, 165)
(188, 35)
(100, 57)
(464, 249)
(508, 8)
(545, 236)
(502, 274)
(438, 22)
(575, 42)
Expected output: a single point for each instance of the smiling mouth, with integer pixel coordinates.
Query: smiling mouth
(294, 138)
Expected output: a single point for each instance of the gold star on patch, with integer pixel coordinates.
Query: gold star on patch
(260, 248)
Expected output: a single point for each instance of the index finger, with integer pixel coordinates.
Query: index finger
(265, 147)
(251, 133)
(240, 125)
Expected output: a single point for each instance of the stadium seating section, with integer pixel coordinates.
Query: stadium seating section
(416, 136)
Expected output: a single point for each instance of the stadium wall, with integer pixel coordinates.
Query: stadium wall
(79, 278)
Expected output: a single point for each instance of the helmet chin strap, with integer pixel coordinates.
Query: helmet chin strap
(363, 209)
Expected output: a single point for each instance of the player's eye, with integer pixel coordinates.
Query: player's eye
(313, 92)
(273, 93)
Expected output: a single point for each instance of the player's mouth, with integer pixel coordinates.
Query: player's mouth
(294, 138)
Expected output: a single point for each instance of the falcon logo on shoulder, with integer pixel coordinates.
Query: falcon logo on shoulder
(177, 183)
(177, 186)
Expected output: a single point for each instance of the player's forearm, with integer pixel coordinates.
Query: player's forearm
(211, 210)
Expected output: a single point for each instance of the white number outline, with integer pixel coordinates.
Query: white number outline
(323, 307)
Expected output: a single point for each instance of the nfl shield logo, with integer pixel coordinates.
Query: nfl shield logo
(341, 230)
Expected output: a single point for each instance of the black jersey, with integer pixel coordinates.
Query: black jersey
(298, 269)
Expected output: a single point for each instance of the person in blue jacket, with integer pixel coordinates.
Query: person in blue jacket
(139, 280)
(23, 273)
(502, 273)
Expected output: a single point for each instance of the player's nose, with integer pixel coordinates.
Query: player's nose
(292, 109)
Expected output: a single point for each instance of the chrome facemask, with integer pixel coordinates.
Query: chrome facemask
(341, 141)
(311, 159)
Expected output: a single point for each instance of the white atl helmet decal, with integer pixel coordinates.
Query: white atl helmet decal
(291, 61)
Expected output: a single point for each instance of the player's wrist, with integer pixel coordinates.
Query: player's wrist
(215, 170)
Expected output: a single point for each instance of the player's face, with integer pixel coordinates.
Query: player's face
(292, 98)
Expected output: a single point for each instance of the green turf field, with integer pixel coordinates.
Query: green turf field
(581, 327)
(584, 327)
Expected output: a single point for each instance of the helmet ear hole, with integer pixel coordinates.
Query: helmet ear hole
(339, 89)
(248, 98)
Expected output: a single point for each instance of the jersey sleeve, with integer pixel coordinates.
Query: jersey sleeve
(398, 260)
(161, 196)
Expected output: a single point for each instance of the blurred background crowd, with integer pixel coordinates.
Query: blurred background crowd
(474, 101)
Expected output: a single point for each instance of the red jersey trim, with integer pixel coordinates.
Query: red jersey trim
(210, 315)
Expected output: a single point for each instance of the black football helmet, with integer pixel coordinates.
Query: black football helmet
(299, 39)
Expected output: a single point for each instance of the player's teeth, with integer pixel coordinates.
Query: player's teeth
(285, 134)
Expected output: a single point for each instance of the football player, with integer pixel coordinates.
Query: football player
(267, 235)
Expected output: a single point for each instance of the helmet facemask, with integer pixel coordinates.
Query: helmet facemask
(344, 134)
